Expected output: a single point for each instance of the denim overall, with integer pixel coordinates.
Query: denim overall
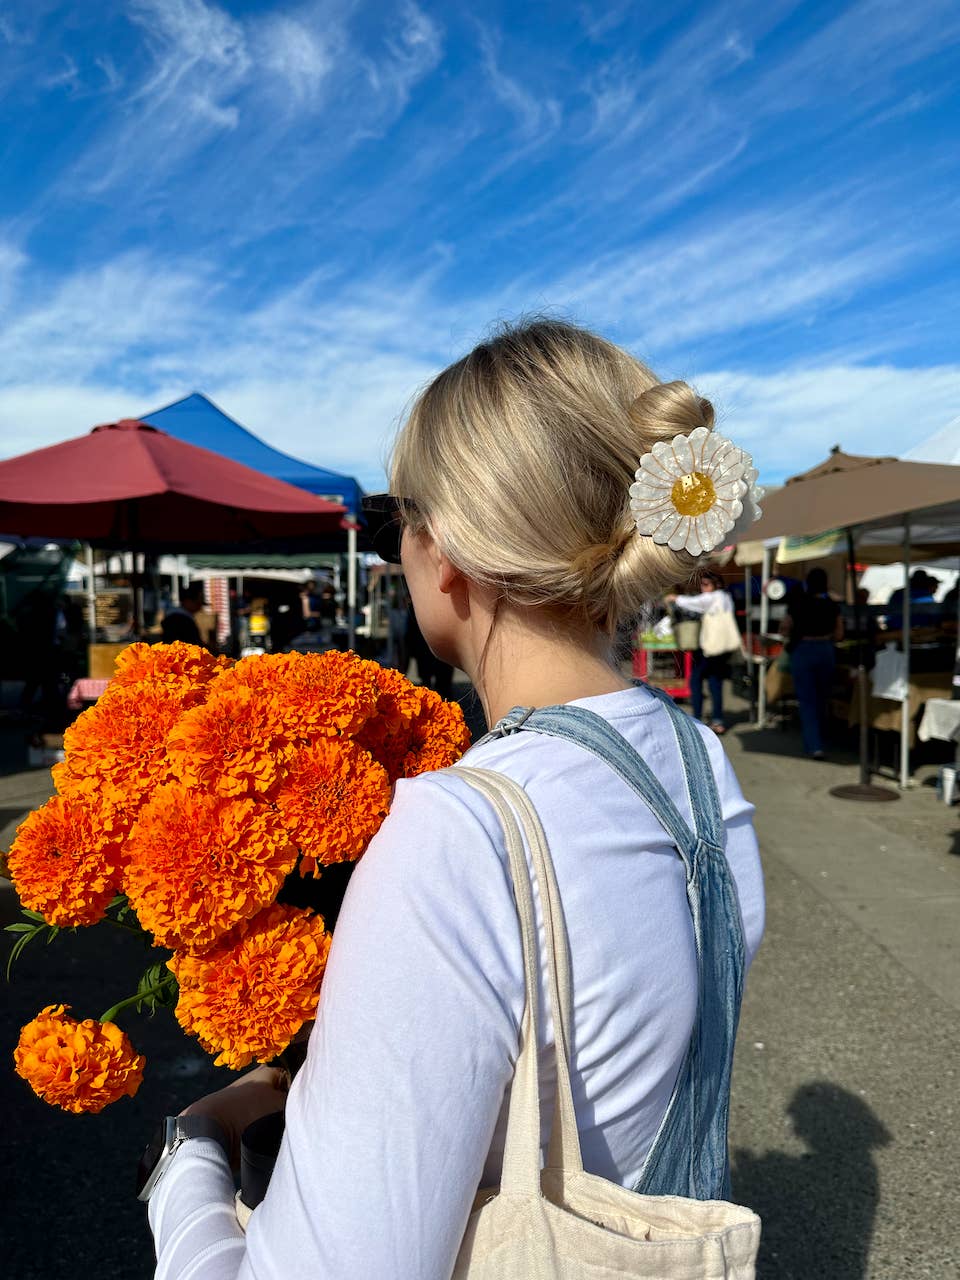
(689, 1155)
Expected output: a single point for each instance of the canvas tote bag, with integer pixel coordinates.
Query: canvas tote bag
(561, 1223)
(719, 633)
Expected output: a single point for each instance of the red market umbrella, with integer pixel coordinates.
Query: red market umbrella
(129, 485)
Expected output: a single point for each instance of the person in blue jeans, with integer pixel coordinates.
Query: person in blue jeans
(715, 668)
(813, 626)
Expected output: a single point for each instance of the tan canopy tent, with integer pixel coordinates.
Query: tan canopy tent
(848, 490)
(882, 502)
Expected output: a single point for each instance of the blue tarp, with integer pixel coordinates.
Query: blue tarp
(197, 420)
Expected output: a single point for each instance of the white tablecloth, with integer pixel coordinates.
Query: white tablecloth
(941, 719)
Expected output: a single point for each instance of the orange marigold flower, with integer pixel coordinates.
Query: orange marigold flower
(439, 735)
(388, 735)
(66, 860)
(247, 998)
(398, 699)
(324, 694)
(118, 747)
(186, 664)
(307, 695)
(199, 864)
(78, 1066)
(232, 744)
(333, 801)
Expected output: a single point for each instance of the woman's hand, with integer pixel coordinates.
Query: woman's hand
(258, 1093)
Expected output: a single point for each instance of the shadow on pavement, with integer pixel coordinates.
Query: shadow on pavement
(773, 741)
(818, 1208)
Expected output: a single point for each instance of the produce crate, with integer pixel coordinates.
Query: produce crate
(666, 669)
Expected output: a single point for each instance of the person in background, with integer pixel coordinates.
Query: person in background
(812, 627)
(180, 622)
(924, 610)
(328, 607)
(431, 670)
(398, 654)
(310, 603)
(711, 598)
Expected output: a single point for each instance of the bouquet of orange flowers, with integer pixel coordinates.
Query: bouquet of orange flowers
(196, 801)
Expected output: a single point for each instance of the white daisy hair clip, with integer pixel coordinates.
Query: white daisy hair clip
(695, 492)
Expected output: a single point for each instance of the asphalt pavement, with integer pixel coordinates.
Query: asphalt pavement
(843, 1119)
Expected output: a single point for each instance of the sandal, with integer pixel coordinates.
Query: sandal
(718, 728)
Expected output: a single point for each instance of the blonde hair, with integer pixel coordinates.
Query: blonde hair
(519, 458)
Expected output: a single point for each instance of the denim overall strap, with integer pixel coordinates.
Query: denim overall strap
(689, 1155)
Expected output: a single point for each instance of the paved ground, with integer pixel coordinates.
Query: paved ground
(844, 1117)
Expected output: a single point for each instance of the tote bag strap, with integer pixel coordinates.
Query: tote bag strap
(521, 1154)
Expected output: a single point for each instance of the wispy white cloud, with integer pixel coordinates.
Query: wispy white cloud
(791, 418)
(859, 52)
(752, 270)
(906, 106)
(99, 317)
(112, 77)
(322, 373)
(296, 54)
(12, 262)
(536, 115)
(186, 35)
(392, 217)
(66, 76)
(324, 370)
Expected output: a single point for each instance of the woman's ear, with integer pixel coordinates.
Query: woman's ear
(448, 577)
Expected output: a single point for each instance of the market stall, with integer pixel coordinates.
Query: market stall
(882, 503)
(130, 486)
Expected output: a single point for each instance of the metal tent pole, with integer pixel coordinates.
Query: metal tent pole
(864, 789)
(352, 587)
(907, 621)
(748, 626)
(91, 598)
(764, 627)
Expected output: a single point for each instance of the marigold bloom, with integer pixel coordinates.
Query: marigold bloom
(438, 737)
(388, 734)
(247, 997)
(398, 699)
(78, 1066)
(117, 748)
(188, 665)
(66, 860)
(198, 864)
(333, 800)
(232, 744)
(324, 694)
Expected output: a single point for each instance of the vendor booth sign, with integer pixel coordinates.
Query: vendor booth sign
(816, 546)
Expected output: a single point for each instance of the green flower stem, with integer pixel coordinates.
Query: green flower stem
(122, 924)
(156, 990)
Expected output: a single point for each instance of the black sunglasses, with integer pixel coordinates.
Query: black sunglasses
(382, 514)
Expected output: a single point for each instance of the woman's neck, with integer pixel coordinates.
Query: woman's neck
(530, 663)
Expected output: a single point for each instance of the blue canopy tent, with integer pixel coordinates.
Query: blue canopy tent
(197, 420)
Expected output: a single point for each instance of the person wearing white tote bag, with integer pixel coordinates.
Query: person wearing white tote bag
(545, 486)
(719, 639)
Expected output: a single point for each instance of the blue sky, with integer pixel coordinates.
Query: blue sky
(306, 209)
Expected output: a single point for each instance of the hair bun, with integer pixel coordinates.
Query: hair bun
(668, 409)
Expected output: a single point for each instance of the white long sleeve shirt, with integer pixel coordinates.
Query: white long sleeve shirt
(706, 602)
(399, 1112)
